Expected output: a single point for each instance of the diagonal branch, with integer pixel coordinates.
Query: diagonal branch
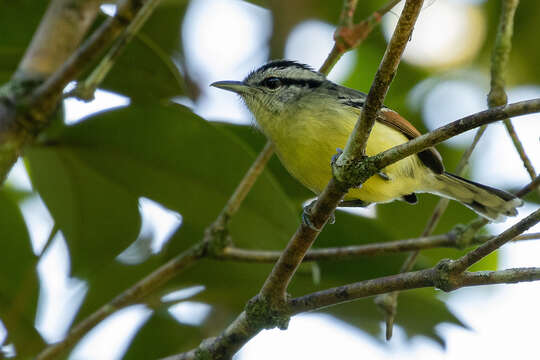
(484, 250)
(519, 148)
(59, 34)
(356, 144)
(436, 276)
(454, 128)
(349, 35)
(532, 186)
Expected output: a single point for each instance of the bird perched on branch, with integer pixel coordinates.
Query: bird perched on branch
(307, 117)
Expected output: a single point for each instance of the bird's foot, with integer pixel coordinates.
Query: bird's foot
(353, 203)
(306, 217)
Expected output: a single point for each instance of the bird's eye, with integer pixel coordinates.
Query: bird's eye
(272, 83)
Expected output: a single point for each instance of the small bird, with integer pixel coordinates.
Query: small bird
(308, 117)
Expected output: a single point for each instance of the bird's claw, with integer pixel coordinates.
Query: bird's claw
(353, 203)
(306, 217)
(383, 176)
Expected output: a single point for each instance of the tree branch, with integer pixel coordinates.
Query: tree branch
(457, 127)
(436, 276)
(215, 239)
(349, 35)
(60, 32)
(356, 144)
(519, 148)
(499, 60)
(533, 185)
(482, 251)
(453, 240)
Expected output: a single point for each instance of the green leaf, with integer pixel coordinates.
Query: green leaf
(98, 218)
(146, 71)
(17, 31)
(168, 154)
(18, 279)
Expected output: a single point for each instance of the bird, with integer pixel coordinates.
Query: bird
(307, 117)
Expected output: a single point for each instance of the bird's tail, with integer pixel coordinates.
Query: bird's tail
(493, 204)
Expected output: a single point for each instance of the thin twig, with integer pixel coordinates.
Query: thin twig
(85, 89)
(452, 129)
(448, 275)
(484, 250)
(519, 148)
(356, 144)
(241, 191)
(499, 61)
(532, 186)
(436, 276)
(349, 35)
(449, 240)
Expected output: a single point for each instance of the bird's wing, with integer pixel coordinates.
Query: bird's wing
(429, 157)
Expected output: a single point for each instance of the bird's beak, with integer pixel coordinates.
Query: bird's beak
(235, 86)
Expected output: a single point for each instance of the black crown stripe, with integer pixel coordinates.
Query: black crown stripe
(283, 64)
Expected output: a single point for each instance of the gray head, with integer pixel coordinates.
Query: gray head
(269, 89)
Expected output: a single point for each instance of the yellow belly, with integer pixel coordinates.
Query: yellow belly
(306, 152)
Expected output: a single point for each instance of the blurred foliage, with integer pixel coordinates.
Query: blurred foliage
(92, 174)
(17, 31)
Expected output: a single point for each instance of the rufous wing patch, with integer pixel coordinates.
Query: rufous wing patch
(429, 157)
